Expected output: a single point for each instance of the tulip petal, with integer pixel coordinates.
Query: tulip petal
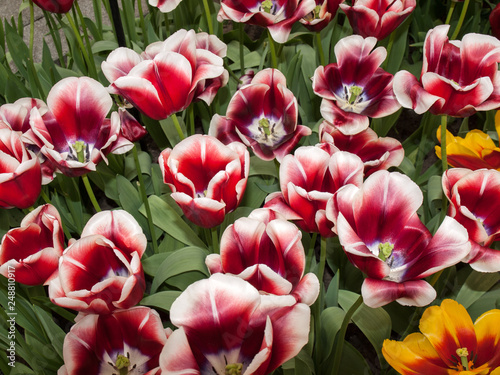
(377, 293)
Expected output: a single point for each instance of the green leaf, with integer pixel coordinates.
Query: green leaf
(331, 321)
(263, 167)
(374, 323)
(104, 46)
(161, 300)
(131, 202)
(165, 218)
(476, 285)
(54, 333)
(180, 261)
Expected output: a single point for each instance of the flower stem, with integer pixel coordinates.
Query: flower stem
(90, 63)
(215, 240)
(142, 23)
(341, 335)
(144, 196)
(191, 119)
(319, 46)
(318, 306)
(242, 45)
(444, 161)
(178, 126)
(90, 192)
(272, 49)
(209, 17)
(450, 12)
(87, 41)
(460, 20)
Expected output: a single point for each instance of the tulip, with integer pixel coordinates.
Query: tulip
(377, 18)
(449, 343)
(165, 6)
(263, 115)
(207, 178)
(17, 114)
(168, 75)
(266, 250)
(20, 171)
(278, 16)
(75, 135)
(382, 235)
(355, 88)
(102, 271)
(55, 6)
(227, 327)
(457, 79)
(308, 179)
(476, 151)
(321, 16)
(376, 153)
(32, 251)
(123, 342)
(473, 197)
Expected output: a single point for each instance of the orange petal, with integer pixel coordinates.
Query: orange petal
(449, 327)
(488, 339)
(414, 356)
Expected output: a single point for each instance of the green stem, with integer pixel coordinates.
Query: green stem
(389, 49)
(272, 49)
(215, 240)
(322, 260)
(55, 37)
(435, 278)
(191, 118)
(460, 20)
(310, 253)
(444, 161)
(31, 60)
(144, 196)
(143, 24)
(92, 197)
(167, 25)
(87, 40)
(178, 126)
(45, 197)
(209, 17)
(318, 306)
(79, 40)
(242, 52)
(319, 46)
(450, 12)
(341, 335)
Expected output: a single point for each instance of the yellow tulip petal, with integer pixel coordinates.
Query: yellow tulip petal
(449, 327)
(495, 371)
(460, 156)
(488, 339)
(413, 356)
(477, 140)
(497, 122)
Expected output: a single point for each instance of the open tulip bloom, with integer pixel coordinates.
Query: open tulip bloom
(355, 87)
(263, 115)
(74, 134)
(168, 75)
(227, 327)
(449, 344)
(266, 250)
(277, 15)
(377, 18)
(322, 14)
(457, 78)
(382, 235)
(474, 204)
(123, 342)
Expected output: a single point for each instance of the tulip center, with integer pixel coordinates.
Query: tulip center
(385, 250)
(353, 94)
(233, 369)
(79, 151)
(268, 6)
(122, 364)
(314, 15)
(266, 133)
(463, 353)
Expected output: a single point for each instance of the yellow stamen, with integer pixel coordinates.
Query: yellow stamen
(234, 369)
(267, 5)
(385, 250)
(264, 124)
(463, 353)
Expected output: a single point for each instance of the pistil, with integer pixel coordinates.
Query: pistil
(234, 369)
(463, 353)
(385, 250)
(267, 5)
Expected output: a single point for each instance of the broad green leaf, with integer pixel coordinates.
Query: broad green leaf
(262, 167)
(476, 285)
(152, 263)
(353, 362)
(180, 261)
(54, 333)
(374, 323)
(144, 163)
(161, 300)
(167, 219)
(104, 46)
(331, 321)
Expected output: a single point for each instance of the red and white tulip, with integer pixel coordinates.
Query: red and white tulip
(263, 115)
(32, 251)
(377, 18)
(227, 327)
(123, 342)
(458, 78)
(165, 6)
(266, 250)
(382, 235)
(321, 15)
(308, 179)
(355, 87)
(277, 15)
(74, 134)
(207, 178)
(102, 271)
(376, 153)
(20, 171)
(168, 75)
(473, 197)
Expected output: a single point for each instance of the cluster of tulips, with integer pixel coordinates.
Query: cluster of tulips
(261, 301)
